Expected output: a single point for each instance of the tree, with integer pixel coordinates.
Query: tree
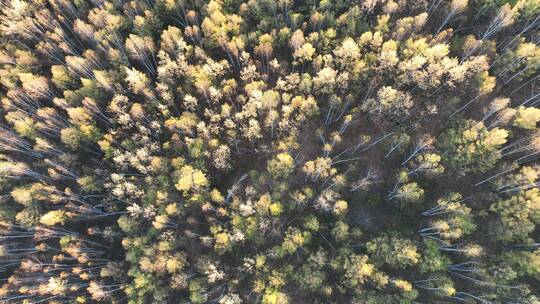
(35, 86)
(217, 26)
(311, 276)
(61, 77)
(433, 260)
(281, 166)
(294, 239)
(452, 219)
(222, 243)
(456, 6)
(340, 232)
(527, 117)
(409, 192)
(71, 137)
(517, 216)
(190, 179)
(428, 164)
(471, 146)
(520, 62)
(274, 297)
(504, 18)
(138, 81)
(325, 81)
(524, 263)
(348, 56)
(186, 122)
(320, 167)
(264, 49)
(52, 218)
(396, 252)
(390, 103)
(357, 270)
(142, 49)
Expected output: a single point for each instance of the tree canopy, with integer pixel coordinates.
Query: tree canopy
(230, 151)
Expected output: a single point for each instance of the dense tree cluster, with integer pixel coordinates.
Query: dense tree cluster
(228, 151)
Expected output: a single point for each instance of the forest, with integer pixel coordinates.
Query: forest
(269, 151)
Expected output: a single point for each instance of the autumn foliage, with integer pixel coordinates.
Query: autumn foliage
(230, 151)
